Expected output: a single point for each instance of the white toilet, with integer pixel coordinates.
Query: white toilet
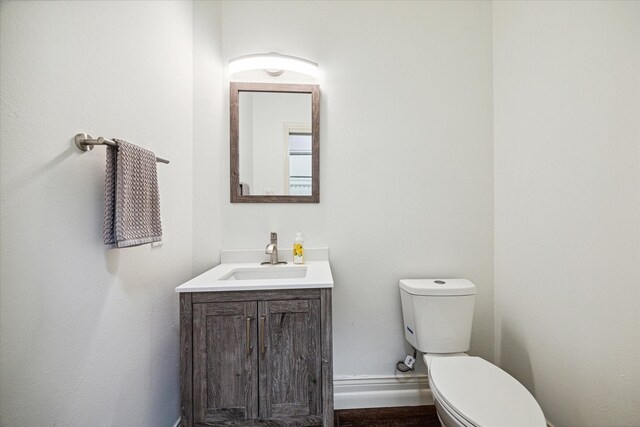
(467, 391)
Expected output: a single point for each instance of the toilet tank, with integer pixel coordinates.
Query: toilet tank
(438, 314)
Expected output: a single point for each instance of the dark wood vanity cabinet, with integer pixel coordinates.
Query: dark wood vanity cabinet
(256, 358)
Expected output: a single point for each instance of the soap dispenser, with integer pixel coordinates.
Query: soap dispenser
(298, 249)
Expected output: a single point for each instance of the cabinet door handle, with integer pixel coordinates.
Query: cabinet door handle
(248, 344)
(262, 346)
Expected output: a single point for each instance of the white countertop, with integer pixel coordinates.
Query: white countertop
(318, 275)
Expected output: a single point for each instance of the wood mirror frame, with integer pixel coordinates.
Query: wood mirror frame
(234, 96)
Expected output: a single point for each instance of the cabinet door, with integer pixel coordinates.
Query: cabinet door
(225, 382)
(290, 358)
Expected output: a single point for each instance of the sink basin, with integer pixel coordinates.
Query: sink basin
(266, 273)
(247, 276)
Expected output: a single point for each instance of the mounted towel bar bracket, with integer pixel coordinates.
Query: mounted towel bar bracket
(86, 143)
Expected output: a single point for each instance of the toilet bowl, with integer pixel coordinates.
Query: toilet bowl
(467, 391)
(471, 392)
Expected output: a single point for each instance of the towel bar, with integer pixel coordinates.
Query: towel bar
(86, 143)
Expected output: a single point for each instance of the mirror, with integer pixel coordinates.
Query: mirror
(275, 144)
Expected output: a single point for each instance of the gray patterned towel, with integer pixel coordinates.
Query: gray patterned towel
(131, 197)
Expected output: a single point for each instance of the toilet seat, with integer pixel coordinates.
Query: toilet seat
(449, 414)
(479, 394)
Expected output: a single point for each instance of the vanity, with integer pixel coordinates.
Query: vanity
(256, 343)
(256, 340)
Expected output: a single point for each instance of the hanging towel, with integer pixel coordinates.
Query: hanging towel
(131, 197)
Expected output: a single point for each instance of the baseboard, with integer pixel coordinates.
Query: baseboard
(352, 392)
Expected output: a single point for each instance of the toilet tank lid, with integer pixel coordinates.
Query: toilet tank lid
(438, 287)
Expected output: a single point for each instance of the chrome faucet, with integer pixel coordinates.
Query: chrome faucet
(272, 249)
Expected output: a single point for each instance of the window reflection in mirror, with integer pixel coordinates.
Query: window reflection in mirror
(297, 169)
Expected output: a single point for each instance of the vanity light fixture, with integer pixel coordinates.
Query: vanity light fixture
(273, 63)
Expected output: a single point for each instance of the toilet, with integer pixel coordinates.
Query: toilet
(467, 391)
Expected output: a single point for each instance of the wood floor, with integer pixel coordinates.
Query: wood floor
(405, 416)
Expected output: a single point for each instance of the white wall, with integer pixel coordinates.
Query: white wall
(567, 174)
(210, 143)
(406, 97)
(90, 336)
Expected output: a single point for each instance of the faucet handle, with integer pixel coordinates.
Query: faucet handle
(274, 237)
